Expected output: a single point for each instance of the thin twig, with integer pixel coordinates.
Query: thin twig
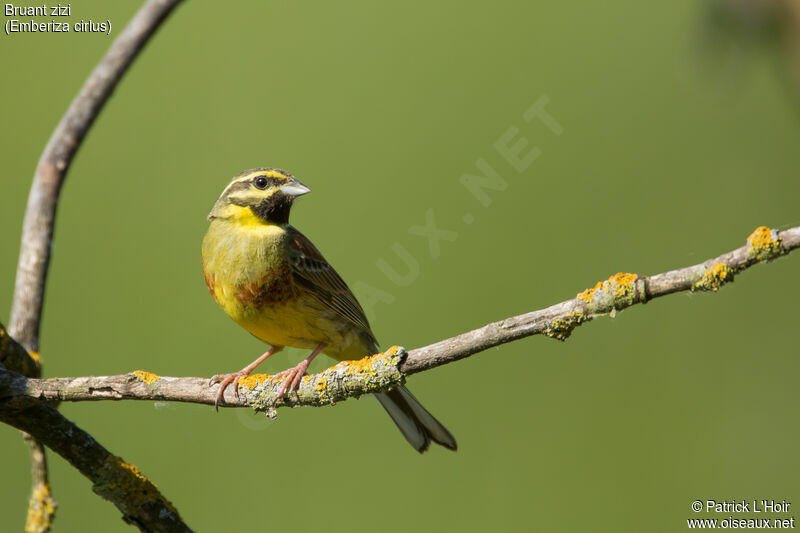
(41, 505)
(383, 371)
(606, 298)
(37, 229)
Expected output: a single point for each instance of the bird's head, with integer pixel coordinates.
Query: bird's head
(260, 194)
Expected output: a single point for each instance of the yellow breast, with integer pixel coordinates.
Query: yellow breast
(248, 275)
(245, 266)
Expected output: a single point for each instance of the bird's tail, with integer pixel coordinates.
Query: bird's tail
(417, 425)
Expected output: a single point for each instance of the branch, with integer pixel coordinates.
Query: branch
(618, 292)
(41, 504)
(386, 370)
(37, 228)
(115, 480)
(346, 380)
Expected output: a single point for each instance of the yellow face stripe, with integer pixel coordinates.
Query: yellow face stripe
(244, 216)
(243, 192)
(248, 175)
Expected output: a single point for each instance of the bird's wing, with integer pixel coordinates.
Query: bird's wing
(312, 271)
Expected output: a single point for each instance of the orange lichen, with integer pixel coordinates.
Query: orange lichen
(623, 282)
(764, 244)
(588, 295)
(714, 278)
(147, 377)
(366, 365)
(362, 366)
(621, 287)
(41, 509)
(391, 352)
(254, 380)
(347, 379)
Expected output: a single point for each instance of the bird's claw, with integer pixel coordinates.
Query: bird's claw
(224, 380)
(292, 377)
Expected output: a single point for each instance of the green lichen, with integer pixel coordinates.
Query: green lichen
(131, 491)
(561, 327)
(714, 277)
(347, 379)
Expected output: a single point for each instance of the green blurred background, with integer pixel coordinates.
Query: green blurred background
(680, 136)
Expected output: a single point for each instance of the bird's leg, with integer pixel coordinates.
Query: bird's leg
(292, 376)
(227, 379)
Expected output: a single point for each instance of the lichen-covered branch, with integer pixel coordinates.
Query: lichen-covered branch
(383, 371)
(41, 504)
(119, 482)
(346, 380)
(618, 292)
(38, 224)
(112, 478)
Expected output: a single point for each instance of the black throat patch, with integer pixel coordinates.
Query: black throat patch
(274, 209)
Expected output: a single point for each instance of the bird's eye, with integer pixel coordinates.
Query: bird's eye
(261, 182)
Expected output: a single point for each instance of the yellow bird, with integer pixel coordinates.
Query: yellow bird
(270, 279)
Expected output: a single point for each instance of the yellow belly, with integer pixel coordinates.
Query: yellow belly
(301, 323)
(283, 324)
(248, 278)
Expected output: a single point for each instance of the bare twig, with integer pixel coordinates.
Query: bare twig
(37, 229)
(383, 371)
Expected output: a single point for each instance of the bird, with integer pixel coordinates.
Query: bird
(272, 281)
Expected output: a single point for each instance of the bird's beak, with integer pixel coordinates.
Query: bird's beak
(294, 188)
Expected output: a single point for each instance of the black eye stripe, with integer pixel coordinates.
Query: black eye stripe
(263, 182)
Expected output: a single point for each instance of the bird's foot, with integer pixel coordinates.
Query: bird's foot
(224, 380)
(292, 377)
